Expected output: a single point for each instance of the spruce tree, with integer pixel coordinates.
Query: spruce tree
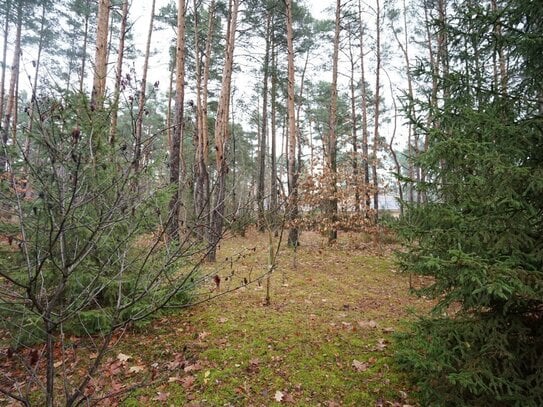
(479, 238)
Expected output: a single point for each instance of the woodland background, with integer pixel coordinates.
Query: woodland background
(129, 153)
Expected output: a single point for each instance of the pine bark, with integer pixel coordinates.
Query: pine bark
(354, 130)
(222, 134)
(364, 108)
(118, 73)
(201, 190)
(4, 59)
(262, 147)
(332, 136)
(142, 95)
(11, 95)
(273, 135)
(101, 56)
(293, 235)
(33, 101)
(177, 134)
(84, 53)
(377, 108)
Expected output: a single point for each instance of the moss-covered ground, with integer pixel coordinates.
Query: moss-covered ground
(324, 339)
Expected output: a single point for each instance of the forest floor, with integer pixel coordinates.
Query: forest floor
(325, 339)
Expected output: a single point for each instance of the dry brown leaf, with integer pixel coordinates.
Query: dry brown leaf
(360, 366)
(193, 368)
(388, 330)
(203, 335)
(161, 396)
(381, 344)
(278, 396)
(123, 358)
(187, 382)
(136, 369)
(367, 324)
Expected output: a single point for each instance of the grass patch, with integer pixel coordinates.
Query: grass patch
(325, 338)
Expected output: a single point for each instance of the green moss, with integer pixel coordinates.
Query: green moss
(303, 344)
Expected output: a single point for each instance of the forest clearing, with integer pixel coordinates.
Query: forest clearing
(324, 339)
(271, 202)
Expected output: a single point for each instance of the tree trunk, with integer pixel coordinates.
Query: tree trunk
(100, 71)
(354, 131)
(33, 101)
(221, 133)
(411, 141)
(142, 95)
(364, 106)
(332, 136)
(376, 111)
(118, 74)
(201, 190)
(500, 65)
(177, 135)
(433, 96)
(169, 108)
(273, 135)
(11, 96)
(264, 131)
(84, 53)
(4, 60)
(293, 234)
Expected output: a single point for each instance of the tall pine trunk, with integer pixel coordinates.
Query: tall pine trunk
(118, 74)
(260, 195)
(273, 135)
(11, 95)
(177, 134)
(377, 110)
(332, 136)
(201, 189)
(364, 108)
(101, 56)
(4, 59)
(222, 132)
(292, 207)
(142, 95)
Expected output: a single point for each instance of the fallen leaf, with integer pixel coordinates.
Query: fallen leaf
(123, 358)
(203, 335)
(367, 324)
(287, 398)
(278, 396)
(360, 366)
(161, 396)
(254, 366)
(222, 320)
(187, 382)
(388, 330)
(193, 368)
(381, 344)
(136, 369)
(217, 281)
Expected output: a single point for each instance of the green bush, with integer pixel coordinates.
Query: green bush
(89, 253)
